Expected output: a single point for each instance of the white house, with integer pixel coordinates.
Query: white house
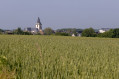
(73, 35)
(104, 30)
(79, 35)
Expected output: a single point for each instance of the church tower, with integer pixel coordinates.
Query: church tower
(39, 26)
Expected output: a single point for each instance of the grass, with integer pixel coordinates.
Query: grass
(56, 57)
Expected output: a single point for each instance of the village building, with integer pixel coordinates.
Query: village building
(73, 35)
(8, 32)
(104, 30)
(79, 34)
(37, 29)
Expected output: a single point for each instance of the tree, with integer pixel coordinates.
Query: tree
(18, 31)
(115, 33)
(48, 31)
(1, 31)
(61, 34)
(107, 34)
(89, 32)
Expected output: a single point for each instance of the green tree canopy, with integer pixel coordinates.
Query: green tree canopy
(1, 31)
(18, 31)
(61, 34)
(48, 31)
(115, 33)
(89, 32)
(107, 34)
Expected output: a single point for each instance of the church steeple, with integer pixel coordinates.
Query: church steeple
(38, 24)
(38, 21)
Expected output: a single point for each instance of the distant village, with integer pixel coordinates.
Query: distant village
(37, 30)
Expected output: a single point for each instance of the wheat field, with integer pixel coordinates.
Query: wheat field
(58, 57)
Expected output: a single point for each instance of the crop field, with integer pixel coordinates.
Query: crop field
(58, 57)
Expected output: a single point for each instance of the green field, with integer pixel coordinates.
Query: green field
(55, 57)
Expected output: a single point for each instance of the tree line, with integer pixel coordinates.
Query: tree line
(89, 32)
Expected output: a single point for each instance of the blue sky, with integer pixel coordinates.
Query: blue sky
(59, 13)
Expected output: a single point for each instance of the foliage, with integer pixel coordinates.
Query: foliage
(57, 57)
(89, 32)
(48, 31)
(70, 31)
(18, 31)
(115, 33)
(1, 31)
(5, 71)
(107, 34)
(3, 62)
(61, 34)
(26, 33)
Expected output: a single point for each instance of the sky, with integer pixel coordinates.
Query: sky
(59, 14)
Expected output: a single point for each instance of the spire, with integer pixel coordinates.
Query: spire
(38, 21)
